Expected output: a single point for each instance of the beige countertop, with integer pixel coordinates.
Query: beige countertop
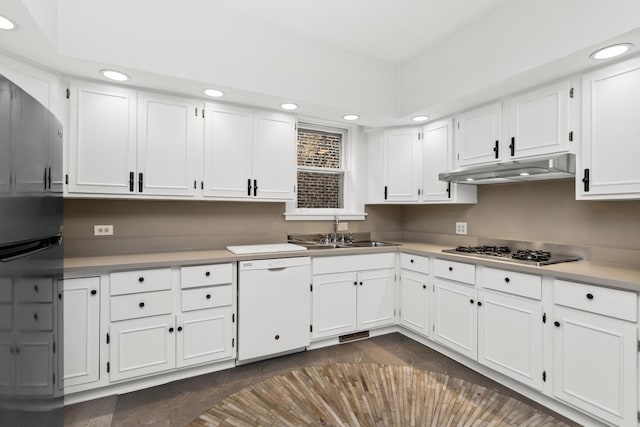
(585, 271)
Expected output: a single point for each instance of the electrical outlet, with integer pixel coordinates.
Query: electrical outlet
(343, 226)
(461, 228)
(103, 230)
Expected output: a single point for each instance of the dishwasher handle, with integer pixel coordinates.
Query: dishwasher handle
(277, 268)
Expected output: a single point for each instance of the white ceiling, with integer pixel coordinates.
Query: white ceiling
(385, 60)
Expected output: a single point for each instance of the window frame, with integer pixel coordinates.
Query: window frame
(352, 209)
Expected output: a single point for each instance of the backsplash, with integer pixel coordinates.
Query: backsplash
(160, 226)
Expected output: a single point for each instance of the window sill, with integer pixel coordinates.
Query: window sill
(324, 216)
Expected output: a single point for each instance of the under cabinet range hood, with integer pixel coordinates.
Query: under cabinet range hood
(532, 169)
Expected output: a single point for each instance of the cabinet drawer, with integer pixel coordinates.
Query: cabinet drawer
(34, 317)
(34, 290)
(609, 302)
(209, 297)
(6, 314)
(131, 282)
(452, 270)
(416, 263)
(339, 264)
(140, 305)
(526, 285)
(203, 275)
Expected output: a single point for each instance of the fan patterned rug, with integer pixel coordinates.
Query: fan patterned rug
(370, 395)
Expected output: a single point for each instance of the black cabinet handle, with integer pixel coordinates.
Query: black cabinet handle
(448, 190)
(424, 286)
(140, 182)
(479, 304)
(170, 330)
(208, 296)
(141, 305)
(44, 179)
(35, 288)
(355, 283)
(207, 274)
(277, 337)
(471, 301)
(140, 279)
(450, 268)
(249, 187)
(179, 328)
(556, 324)
(131, 182)
(49, 179)
(386, 192)
(360, 283)
(589, 296)
(195, 184)
(496, 149)
(35, 316)
(255, 187)
(585, 180)
(411, 261)
(93, 292)
(512, 146)
(506, 279)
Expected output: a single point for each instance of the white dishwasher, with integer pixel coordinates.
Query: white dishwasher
(274, 306)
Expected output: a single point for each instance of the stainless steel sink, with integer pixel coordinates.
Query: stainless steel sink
(322, 241)
(370, 243)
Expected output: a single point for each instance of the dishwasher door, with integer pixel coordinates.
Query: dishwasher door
(274, 306)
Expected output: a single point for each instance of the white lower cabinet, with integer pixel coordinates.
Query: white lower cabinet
(510, 336)
(204, 336)
(81, 330)
(351, 294)
(455, 316)
(595, 355)
(415, 293)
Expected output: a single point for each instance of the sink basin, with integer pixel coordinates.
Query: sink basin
(360, 244)
(372, 244)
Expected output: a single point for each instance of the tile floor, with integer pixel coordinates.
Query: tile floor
(177, 403)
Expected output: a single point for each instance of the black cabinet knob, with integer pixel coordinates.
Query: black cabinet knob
(207, 274)
(424, 286)
(35, 316)
(479, 304)
(140, 279)
(170, 330)
(450, 268)
(360, 283)
(557, 324)
(355, 283)
(471, 301)
(506, 279)
(179, 328)
(277, 337)
(93, 292)
(411, 261)
(208, 296)
(589, 296)
(35, 288)
(141, 304)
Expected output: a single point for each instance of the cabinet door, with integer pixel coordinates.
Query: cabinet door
(204, 336)
(376, 298)
(274, 150)
(539, 121)
(334, 304)
(595, 361)
(510, 337)
(81, 322)
(273, 312)
(142, 346)
(478, 135)
(7, 361)
(227, 151)
(169, 130)
(5, 137)
(34, 363)
(102, 139)
(414, 301)
(455, 310)
(437, 155)
(401, 164)
(610, 131)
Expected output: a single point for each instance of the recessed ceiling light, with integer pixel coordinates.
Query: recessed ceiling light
(7, 24)
(524, 173)
(214, 93)
(289, 106)
(470, 179)
(351, 117)
(611, 51)
(115, 75)
(420, 118)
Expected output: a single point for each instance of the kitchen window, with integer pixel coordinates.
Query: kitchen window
(324, 173)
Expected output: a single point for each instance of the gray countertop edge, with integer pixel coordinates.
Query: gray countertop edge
(608, 275)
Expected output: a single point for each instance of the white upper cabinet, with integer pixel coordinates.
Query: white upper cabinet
(169, 130)
(608, 165)
(479, 135)
(400, 154)
(248, 154)
(102, 139)
(539, 121)
(436, 153)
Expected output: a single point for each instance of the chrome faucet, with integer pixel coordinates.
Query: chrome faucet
(336, 221)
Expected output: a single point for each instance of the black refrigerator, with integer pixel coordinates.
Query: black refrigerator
(31, 261)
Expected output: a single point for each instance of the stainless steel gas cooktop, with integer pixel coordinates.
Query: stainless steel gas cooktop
(528, 256)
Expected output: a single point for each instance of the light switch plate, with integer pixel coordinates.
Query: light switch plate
(461, 228)
(103, 230)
